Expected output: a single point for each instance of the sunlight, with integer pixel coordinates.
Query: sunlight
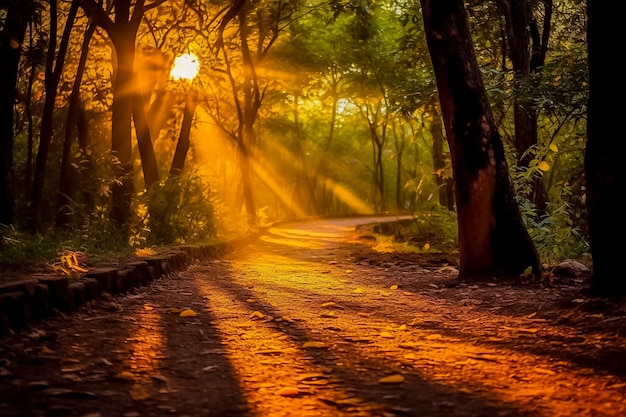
(185, 67)
(342, 193)
(430, 352)
(349, 198)
(263, 171)
(146, 346)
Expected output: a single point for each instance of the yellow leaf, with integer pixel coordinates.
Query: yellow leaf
(256, 314)
(402, 327)
(363, 314)
(385, 334)
(288, 391)
(313, 345)
(125, 375)
(250, 300)
(426, 246)
(544, 166)
(359, 291)
(348, 271)
(391, 379)
(187, 313)
(553, 148)
(393, 287)
(329, 304)
(148, 308)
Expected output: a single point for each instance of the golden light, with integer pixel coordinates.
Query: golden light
(186, 67)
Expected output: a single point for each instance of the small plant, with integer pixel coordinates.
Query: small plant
(179, 209)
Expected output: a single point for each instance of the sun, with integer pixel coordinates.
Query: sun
(186, 67)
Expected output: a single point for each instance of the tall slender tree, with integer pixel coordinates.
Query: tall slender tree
(492, 238)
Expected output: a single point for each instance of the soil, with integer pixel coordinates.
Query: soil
(321, 319)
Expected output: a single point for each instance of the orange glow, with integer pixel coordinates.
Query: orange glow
(147, 348)
(185, 67)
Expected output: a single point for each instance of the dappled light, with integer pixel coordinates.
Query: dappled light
(147, 350)
(310, 317)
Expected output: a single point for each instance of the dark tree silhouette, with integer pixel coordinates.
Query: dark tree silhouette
(18, 14)
(603, 157)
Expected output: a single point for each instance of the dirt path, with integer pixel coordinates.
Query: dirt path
(316, 320)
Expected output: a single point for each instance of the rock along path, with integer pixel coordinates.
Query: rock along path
(313, 319)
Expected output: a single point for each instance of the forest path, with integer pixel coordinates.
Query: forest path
(315, 319)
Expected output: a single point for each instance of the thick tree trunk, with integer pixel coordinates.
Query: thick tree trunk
(121, 141)
(11, 39)
(492, 238)
(603, 158)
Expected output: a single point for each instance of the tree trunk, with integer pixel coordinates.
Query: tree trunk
(11, 39)
(518, 19)
(182, 146)
(492, 238)
(603, 158)
(144, 141)
(71, 122)
(123, 189)
(54, 68)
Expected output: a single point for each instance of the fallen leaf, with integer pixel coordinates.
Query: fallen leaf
(393, 287)
(250, 300)
(188, 313)
(174, 310)
(391, 379)
(359, 291)
(385, 334)
(362, 314)
(128, 376)
(256, 314)
(313, 345)
(329, 304)
(288, 391)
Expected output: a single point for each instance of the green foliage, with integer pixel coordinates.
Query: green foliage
(178, 210)
(432, 232)
(557, 234)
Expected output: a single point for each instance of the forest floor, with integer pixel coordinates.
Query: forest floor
(321, 319)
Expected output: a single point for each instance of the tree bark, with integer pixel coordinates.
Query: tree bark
(11, 39)
(603, 158)
(492, 238)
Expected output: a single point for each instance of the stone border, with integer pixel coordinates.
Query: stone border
(27, 301)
